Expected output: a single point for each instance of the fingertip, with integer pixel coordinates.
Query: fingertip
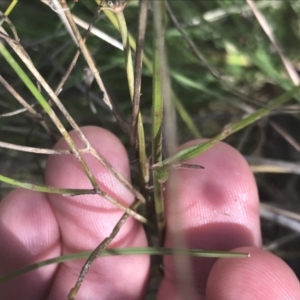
(83, 215)
(225, 191)
(211, 209)
(65, 171)
(261, 276)
(86, 220)
(29, 233)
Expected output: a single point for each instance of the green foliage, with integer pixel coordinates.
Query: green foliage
(219, 70)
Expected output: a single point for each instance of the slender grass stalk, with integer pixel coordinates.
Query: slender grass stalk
(157, 117)
(160, 167)
(97, 252)
(131, 81)
(45, 189)
(43, 102)
(143, 10)
(193, 151)
(124, 251)
(11, 7)
(38, 116)
(149, 65)
(21, 52)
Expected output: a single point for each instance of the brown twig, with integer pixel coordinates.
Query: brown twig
(97, 252)
(27, 61)
(268, 31)
(143, 8)
(27, 107)
(85, 52)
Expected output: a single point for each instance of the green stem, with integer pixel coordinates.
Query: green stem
(193, 151)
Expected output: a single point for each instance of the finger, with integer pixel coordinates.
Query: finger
(28, 233)
(263, 276)
(215, 209)
(85, 220)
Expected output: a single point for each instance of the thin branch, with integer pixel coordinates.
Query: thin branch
(46, 189)
(282, 241)
(95, 31)
(191, 152)
(265, 165)
(280, 216)
(27, 61)
(80, 133)
(98, 251)
(38, 150)
(14, 113)
(4, 18)
(285, 135)
(268, 31)
(21, 52)
(27, 107)
(19, 98)
(143, 9)
(117, 9)
(183, 265)
(85, 52)
(213, 71)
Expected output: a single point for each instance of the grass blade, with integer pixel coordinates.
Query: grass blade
(124, 251)
(191, 152)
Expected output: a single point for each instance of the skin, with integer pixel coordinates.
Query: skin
(216, 208)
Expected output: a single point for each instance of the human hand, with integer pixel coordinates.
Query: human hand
(217, 208)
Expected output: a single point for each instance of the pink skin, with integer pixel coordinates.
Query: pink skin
(216, 208)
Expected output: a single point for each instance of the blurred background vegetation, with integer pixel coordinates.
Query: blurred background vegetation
(250, 73)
